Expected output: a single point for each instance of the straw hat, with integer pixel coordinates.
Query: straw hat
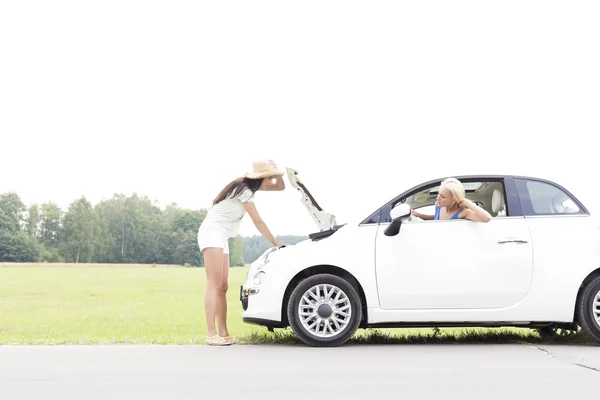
(263, 168)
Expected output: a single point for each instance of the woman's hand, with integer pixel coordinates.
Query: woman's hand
(466, 203)
(424, 217)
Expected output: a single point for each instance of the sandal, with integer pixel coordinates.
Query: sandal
(232, 340)
(217, 341)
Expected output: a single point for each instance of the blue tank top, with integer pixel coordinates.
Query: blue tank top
(437, 214)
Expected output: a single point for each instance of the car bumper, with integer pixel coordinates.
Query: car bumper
(260, 306)
(264, 322)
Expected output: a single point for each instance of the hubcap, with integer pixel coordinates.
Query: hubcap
(596, 308)
(325, 310)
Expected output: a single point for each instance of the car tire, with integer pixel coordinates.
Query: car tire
(324, 310)
(588, 310)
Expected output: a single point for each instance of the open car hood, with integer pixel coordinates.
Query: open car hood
(324, 220)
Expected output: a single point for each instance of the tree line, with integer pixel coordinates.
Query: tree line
(119, 230)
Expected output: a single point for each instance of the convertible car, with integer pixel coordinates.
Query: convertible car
(536, 264)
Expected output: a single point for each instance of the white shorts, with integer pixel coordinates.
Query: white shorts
(213, 235)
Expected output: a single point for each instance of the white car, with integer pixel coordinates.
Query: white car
(536, 264)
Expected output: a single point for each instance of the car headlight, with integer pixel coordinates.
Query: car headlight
(259, 277)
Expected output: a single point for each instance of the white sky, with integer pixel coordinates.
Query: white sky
(366, 99)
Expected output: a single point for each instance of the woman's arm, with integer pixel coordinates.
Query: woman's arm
(260, 224)
(422, 216)
(473, 212)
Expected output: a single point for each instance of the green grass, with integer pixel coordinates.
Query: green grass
(110, 305)
(430, 336)
(69, 305)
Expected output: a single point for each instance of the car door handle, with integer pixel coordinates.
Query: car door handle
(511, 240)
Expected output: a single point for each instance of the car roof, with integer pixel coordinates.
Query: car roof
(482, 176)
(490, 176)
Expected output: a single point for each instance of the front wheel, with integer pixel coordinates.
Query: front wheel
(588, 310)
(324, 310)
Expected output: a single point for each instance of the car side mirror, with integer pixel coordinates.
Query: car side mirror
(397, 213)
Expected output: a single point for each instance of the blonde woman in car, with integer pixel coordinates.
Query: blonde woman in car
(452, 204)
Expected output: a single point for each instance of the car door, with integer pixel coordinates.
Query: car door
(563, 231)
(454, 264)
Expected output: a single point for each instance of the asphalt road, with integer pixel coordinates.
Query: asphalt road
(299, 372)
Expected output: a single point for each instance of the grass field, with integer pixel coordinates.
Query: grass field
(55, 305)
(145, 305)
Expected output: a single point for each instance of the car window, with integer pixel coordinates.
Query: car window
(480, 192)
(542, 198)
(489, 194)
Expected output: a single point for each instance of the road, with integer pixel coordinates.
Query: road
(129, 372)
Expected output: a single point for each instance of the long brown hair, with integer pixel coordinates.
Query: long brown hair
(236, 187)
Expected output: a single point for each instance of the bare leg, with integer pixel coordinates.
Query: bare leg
(222, 297)
(213, 263)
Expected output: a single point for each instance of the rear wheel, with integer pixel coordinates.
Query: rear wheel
(588, 310)
(324, 310)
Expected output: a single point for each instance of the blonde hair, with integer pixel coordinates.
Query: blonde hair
(455, 188)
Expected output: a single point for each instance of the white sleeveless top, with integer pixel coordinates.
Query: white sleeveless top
(229, 212)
